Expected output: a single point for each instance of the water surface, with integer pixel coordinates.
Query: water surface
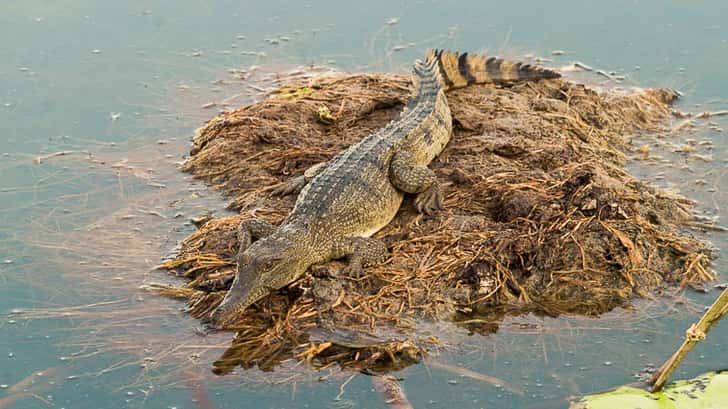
(118, 87)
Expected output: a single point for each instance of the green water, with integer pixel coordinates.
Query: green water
(119, 87)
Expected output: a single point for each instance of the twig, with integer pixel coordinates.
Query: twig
(477, 376)
(342, 388)
(604, 74)
(583, 66)
(707, 226)
(693, 335)
(709, 114)
(40, 159)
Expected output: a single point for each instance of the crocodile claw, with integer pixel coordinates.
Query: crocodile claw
(429, 201)
(289, 187)
(353, 270)
(216, 284)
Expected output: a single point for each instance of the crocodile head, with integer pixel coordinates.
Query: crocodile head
(267, 265)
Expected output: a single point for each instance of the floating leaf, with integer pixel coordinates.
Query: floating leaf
(708, 391)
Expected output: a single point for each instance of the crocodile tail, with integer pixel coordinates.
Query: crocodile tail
(460, 70)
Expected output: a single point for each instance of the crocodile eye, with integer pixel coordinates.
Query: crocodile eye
(243, 259)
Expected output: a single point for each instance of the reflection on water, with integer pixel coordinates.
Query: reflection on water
(107, 95)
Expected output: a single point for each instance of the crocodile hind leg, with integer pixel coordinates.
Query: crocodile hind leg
(406, 175)
(361, 252)
(295, 185)
(248, 230)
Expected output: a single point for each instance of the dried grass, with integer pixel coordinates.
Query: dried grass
(540, 217)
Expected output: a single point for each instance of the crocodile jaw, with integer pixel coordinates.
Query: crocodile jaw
(268, 265)
(237, 299)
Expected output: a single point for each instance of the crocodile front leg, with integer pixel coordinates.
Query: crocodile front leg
(361, 252)
(295, 185)
(252, 229)
(406, 175)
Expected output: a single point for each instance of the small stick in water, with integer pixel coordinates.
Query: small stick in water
(477, 376)
(693, 335)
(583, 66)
(709, 114)
(40, 159)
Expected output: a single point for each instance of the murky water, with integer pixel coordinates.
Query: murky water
(98, 101)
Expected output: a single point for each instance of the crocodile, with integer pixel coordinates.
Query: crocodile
(343, 202)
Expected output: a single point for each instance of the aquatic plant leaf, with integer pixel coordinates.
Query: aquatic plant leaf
(707, 391)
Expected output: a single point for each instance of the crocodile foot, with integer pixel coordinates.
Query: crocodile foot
(429, 201)
(354, 269)
(205, 328)
(323, 271)
(216, 284)
(289, 187)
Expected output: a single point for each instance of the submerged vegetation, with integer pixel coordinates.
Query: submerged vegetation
(540, 216)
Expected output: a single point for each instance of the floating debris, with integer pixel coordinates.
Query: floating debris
(708, 114)
(583, 66)
(604, 74)
(682, 126)
(42, 158)
(705, 391)
(201, 220)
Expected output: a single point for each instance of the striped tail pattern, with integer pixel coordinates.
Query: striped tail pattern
(460, 70)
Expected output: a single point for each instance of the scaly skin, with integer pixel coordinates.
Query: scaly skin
(343, 202)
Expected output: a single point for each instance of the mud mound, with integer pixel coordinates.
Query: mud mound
(539, 217)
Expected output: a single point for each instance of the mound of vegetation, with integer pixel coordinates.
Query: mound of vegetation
(540, 216)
